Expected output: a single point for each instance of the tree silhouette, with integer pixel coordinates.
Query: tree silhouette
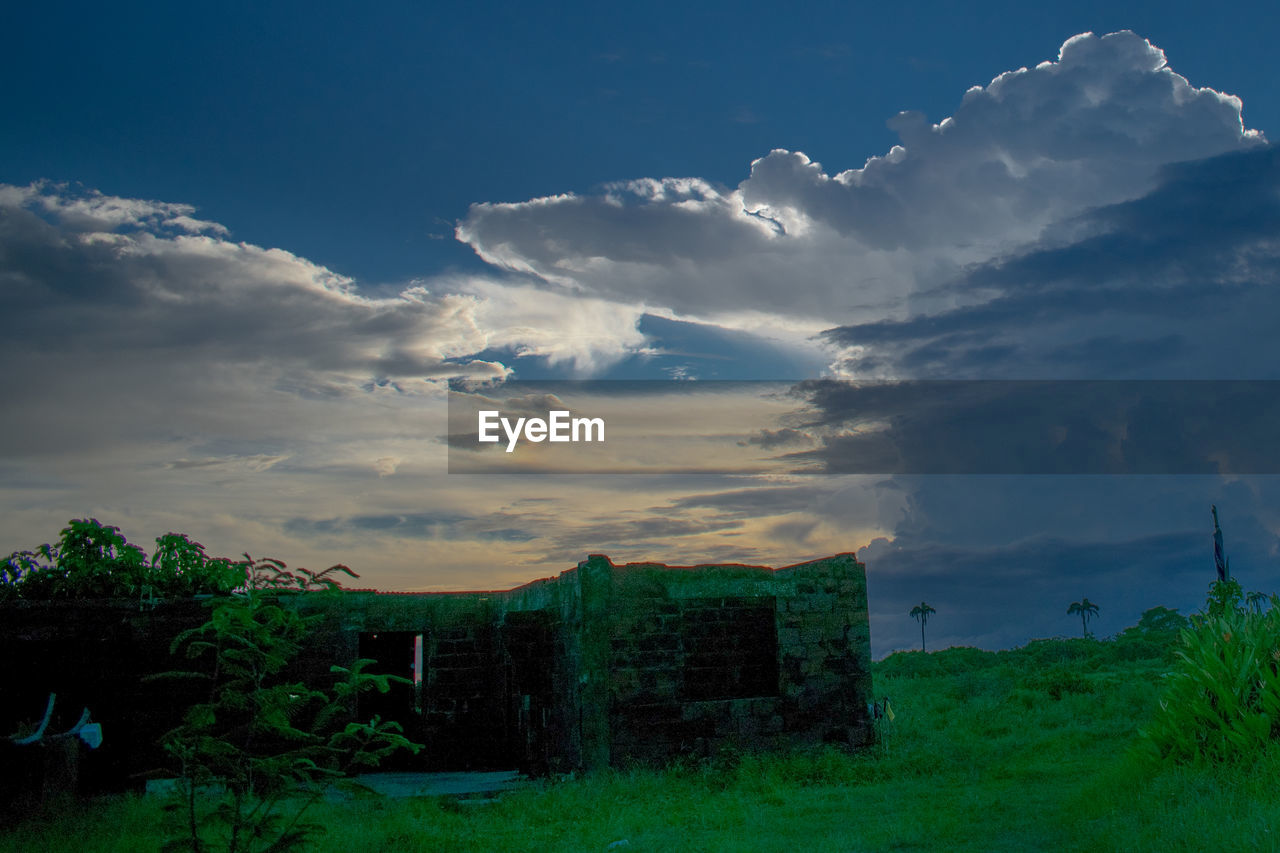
(1086, 609)
(921, 613)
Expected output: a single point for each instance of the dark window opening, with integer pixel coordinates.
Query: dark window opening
(730, 648)
(396, 653)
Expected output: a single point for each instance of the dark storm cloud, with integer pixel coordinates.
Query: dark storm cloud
(1005, 555)
(1050, 427)
(785, 437)
(1152, 283)
(998, 596)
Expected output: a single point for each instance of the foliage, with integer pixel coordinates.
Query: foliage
(90, 560)
(1087, 652)
(1222, 703)
(1225, 596)
(93, 560)
(180, 567)
(264, 746)
(1157, 634)
(1156, 623)
(271, 574)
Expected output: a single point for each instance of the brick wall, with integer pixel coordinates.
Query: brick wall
(604, 664)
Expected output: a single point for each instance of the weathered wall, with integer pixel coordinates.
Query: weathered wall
(710, 655)
(602, 665)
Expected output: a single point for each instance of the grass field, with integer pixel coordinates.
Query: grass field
(1032, 749)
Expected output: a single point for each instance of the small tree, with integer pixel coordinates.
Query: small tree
(921, 613)
(263, 748)
(1087, 609)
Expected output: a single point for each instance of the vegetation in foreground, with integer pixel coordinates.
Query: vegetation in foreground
(1167, 736)
(1039, 748)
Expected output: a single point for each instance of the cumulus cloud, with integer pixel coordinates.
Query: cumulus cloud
(1033, 147)
(1027, 148)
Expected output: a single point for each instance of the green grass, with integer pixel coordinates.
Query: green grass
(1023, 750)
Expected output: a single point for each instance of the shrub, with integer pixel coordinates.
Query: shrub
(94, 560)
(263, 748)
(1222, 702)
(1156, 636)
(91, 560)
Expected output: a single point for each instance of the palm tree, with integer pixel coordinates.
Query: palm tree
(921, 612)
(1085, 608)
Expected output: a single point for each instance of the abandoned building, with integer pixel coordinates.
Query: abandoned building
(603, 665)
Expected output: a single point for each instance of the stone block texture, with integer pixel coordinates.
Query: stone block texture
(603, 665)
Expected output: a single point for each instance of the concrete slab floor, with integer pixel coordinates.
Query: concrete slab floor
(441, 784)
(399, 785)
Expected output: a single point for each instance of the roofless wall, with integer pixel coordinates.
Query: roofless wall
(603, 665)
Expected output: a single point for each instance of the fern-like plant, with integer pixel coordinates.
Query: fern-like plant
(264, 747)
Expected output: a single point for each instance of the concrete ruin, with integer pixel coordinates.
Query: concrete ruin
(604, 665)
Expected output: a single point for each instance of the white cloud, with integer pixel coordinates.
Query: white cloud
(91, 210)
(1032, 147)
(112, 278)
(576, 331)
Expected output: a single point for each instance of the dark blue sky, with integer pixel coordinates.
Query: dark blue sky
(356, 138)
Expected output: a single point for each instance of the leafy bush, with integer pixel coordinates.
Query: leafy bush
(180, 567)
(1157, 636)
(93, 560)
(90, 560)
(1223, 700)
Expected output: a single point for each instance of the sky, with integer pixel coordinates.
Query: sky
(245, 251)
